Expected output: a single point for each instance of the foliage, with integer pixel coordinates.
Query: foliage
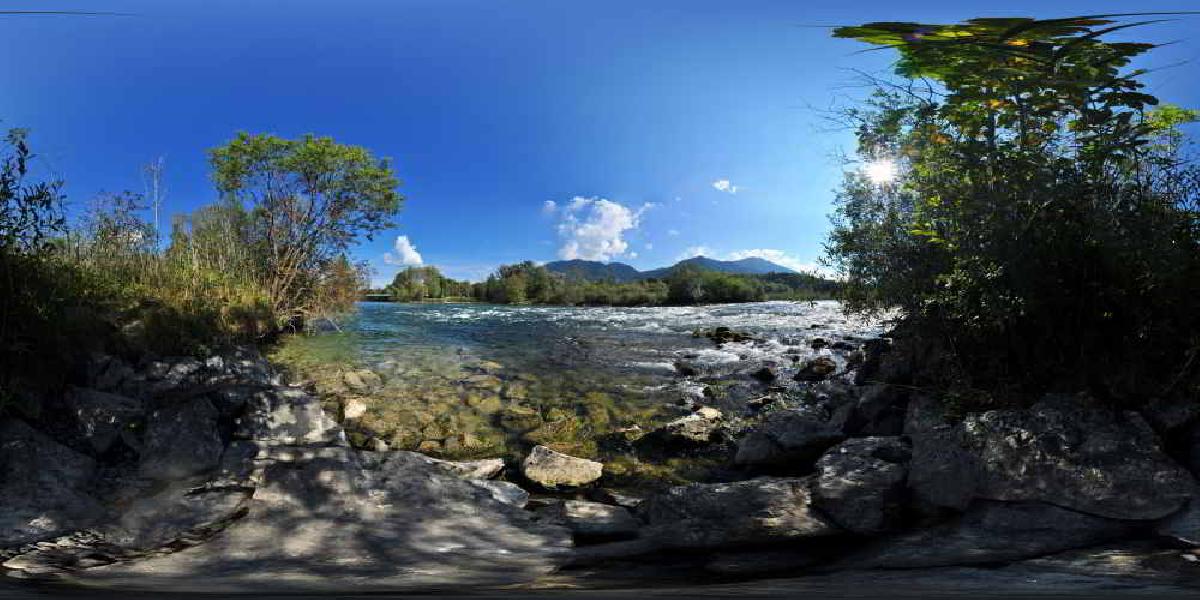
(306, 201)
(1045, 223)
(415, 284)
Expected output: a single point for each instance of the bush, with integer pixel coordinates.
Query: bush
(1044, 223)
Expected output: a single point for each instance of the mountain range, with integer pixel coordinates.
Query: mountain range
(619, 272)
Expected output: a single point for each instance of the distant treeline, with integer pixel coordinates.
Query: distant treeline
(529, 283)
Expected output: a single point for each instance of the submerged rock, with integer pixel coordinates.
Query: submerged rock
(744, 512)
(552, 470)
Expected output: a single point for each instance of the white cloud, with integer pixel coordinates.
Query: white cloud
(673, 232)
(549, 206)
(724, 185)
(649, 246)
(406, 254)
(593, 228)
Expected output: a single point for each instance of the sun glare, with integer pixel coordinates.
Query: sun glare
(881, 171)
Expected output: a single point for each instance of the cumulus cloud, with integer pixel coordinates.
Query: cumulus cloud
(406, 254)
(549, 206)
(594, 228)
(724, 185)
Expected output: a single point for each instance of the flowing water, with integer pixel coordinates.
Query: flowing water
(464, 380)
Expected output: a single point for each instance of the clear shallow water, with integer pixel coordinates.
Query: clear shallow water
(463, 380)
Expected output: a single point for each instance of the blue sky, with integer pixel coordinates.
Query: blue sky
(641, 131)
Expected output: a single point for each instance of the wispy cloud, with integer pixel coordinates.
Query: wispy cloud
(724, 185)
(594, 228)
(673, 232)
(778, 257)
(549, 206)
(406, 254)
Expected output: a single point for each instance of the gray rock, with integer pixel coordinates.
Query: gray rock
(991, 532)
(553, 470)
(288, 416)
(1183, 526)
(487, 468)
(181, 440)
(744, 512)
(592, 519)
(43, 486)
(789, 437)
(860, 483)
(924, 413)
(821, 367)
(506, 492)
(178, 510)
(879, 410)
(100, 417)
(363, 380)
(699, 428)
(333, 523)
(1061, 451)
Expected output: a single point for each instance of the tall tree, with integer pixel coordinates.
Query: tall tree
(309, 200)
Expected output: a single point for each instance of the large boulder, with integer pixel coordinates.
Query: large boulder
(592, 519)
(992, 532)
(860, 483)
(181, 440)
(744, 512)
(327, 521)
(101, 418)
(1062, 451)
(554, 470)
(788, 437)
(879, 410)
(44, 486)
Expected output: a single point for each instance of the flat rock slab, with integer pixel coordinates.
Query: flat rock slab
(43, 486)
(328, 524)
(288, 416)
(992, 532)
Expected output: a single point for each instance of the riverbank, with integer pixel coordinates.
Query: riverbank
(221, 476)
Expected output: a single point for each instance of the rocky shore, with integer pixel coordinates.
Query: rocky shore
(215, 475)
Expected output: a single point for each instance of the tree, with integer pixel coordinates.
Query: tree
(308, 200)
(1040, 214)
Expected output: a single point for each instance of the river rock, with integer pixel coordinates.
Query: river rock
(860, 483)
(363, 380)
(44, 486)
(592, 519)
(991, 532)
(789, 437)
(697, 429)
(331, 523)
(288, 416)
(520, 418)
(1063, 451)
(487, 468)
(181, 440)
(101, 418)
(505, 491)
(817, 369)
(703, 515)
(353, 408)
(553, 470)
(179, 509)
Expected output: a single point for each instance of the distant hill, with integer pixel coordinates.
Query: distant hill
(594, 270)
(746, 266)
(619, 272)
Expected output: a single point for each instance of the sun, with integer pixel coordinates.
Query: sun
(880, 171)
